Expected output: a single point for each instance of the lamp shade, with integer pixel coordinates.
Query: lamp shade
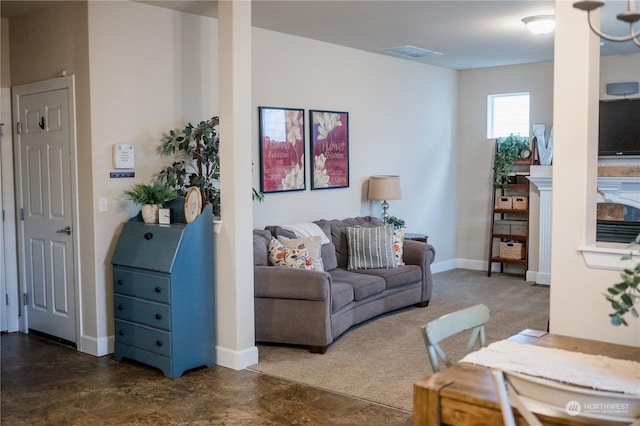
(384, 188)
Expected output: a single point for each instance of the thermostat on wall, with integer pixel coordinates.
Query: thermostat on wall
(123, 156)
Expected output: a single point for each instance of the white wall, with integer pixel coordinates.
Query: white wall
(152, 70)
(402, 121)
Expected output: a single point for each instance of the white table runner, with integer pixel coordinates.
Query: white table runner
(594, 371)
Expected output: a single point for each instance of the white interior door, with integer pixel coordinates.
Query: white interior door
(45, 197)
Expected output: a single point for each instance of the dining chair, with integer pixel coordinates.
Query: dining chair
(534, 395)
(473, 318)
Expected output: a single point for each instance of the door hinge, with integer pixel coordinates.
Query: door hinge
(19, 128)
(25, 300)
(21, 213)
(6, 299)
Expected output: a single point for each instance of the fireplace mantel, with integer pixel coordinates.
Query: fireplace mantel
(598, 255)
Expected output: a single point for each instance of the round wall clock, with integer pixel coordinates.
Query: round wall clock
(525, 154)
(192, 204)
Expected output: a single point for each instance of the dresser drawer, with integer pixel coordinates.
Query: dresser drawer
(143, 337)
(141, 284)
(141, 311)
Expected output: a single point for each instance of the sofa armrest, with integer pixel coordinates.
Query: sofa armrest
(291, 283)
(423, 255)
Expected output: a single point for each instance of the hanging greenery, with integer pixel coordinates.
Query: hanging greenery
(624, 295)
(509, 149)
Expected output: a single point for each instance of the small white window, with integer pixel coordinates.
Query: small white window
(507, 113)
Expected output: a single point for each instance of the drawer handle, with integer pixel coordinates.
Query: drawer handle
(121, 332)
(158, 316)
(148, 236)
(158, 289)
(120, 282)
(158, 342)
(120, 307)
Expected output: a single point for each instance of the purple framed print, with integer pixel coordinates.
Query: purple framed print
(281, 149)
(329, 149)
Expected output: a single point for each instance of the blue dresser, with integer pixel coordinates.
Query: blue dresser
(163, 293)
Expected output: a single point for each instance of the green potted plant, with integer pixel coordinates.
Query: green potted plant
(624, 295)
(508, 150)
(197, 152)
(151, 197)
(396, 222)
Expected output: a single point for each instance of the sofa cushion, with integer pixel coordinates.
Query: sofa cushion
(341, 296)
(312, 244)
(396, 277)
(261, 240)
(328, 251)
(337, 229)
(281, 255)
(364, 285)
(371, 248)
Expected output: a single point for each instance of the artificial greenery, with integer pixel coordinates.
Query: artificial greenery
(625, 294)
(396, 222)
(156, 193)
(197, 149)
(508, 150)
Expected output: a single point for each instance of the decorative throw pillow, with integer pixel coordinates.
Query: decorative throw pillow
(280, 255)
(312, 244)
(371, 248)
(398, 244)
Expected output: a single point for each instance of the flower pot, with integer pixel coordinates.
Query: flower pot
(150, 213)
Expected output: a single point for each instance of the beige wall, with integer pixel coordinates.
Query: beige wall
(43, 44)
(476, 152)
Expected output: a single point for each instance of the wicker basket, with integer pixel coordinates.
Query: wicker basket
(504, 202)
(512, 250)
(520, 202)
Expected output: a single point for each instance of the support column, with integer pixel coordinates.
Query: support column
(541, 178)
(234, 269)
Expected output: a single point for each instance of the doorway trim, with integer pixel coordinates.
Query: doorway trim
(68, 83)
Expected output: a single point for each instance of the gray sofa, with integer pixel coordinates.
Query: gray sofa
(312, 308)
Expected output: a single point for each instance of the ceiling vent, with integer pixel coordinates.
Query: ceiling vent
(410, 51)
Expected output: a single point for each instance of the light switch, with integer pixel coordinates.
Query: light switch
(103, 205)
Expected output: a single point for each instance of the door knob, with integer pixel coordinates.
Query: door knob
(66, 230)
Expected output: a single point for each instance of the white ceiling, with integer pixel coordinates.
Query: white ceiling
(469, 34)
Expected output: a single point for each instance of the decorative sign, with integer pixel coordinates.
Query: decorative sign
(281, 149)
(329, 149)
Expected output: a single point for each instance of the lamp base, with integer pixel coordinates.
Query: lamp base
(385, 215)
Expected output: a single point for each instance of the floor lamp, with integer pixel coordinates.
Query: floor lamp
(383, 188)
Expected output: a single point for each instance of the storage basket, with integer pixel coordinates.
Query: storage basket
(520, 202)
(519, 227)
(504, 202)
(511, 250)
(502, 227)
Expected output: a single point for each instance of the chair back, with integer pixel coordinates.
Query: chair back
(535, 395)
(473, 318)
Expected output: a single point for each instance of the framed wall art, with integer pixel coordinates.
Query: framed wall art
(329, 156)
(281, 149)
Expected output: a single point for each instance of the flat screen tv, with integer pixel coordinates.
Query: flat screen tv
(619, 128)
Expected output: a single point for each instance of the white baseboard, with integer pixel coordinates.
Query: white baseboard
(236, 360)
(96, 347)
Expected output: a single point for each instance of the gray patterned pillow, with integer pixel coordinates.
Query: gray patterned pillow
(371, 248)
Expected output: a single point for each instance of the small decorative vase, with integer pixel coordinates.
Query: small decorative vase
(150, 213)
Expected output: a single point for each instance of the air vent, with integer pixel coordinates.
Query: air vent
(411, 51)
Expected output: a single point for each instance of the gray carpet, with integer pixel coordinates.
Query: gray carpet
(381, 359)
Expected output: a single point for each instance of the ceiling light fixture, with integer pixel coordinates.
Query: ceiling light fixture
(630, 17)
(540, 24)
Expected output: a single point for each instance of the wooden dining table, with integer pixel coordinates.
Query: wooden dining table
(464, 394)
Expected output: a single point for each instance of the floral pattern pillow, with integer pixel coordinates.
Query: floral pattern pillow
(398, 244)
(280, 255)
